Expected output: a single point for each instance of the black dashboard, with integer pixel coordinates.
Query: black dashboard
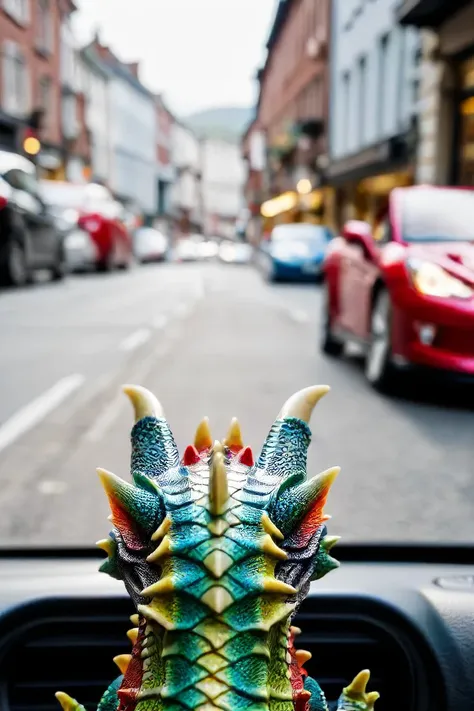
(406, 613)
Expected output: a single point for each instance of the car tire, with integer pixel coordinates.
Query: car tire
(329, 345)
(15, 271)
(379, 368)
(58, 271)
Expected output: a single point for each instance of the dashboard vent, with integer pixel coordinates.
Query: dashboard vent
(68, 645)
(64, 646)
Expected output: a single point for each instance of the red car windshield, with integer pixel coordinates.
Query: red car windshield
(437, 215)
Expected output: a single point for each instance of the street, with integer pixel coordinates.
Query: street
(213, 340)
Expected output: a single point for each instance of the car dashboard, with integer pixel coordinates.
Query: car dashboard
(406, 613)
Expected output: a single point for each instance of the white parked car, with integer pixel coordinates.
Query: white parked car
(150, 245)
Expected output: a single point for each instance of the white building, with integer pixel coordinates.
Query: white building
(373, 95)
(95, 87)
(186, 191)
(223, 176)
(132, 126)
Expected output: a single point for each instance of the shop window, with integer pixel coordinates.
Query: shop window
(467, 75)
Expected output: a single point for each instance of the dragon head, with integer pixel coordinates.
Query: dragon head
(217, 551)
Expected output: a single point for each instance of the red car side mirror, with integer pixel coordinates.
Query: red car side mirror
(359, 232)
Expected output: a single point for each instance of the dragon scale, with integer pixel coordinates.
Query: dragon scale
(217, 552)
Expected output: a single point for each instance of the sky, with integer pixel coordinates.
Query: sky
(198, 53)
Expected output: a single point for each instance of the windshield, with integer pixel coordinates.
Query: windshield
(184, 243)
(437, 215)
(300, 233)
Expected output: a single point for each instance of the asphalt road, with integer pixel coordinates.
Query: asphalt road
(210, 340)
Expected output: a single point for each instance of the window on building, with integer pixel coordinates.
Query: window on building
(18, 9)
(16, 89)
(346, 109)
(69, 116)
(45, 90)
(44, 26)
(382, 81)
(362, 98)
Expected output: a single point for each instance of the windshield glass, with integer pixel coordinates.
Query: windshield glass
(190, 240)
(437, 215)
(300, 232)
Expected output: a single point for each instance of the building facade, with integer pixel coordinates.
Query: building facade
(186, 199)
(373, 103)
(292, 112)
(132, 133)
(30, 73)
(76, 147)
(94, 83)
(446, 109)
(164, 162)
(254, 155)
(222, 186)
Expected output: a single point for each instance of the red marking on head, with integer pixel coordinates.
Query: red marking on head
(246, 457)
(122, 520)
(191, 456)
(312, 520)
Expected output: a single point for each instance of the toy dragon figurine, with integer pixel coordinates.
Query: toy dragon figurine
(217, 553)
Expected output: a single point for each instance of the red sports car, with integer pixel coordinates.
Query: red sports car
(405, 291)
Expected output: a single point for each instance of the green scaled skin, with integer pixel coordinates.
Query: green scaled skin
(217, 552)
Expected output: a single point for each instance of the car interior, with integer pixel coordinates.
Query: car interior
(405, 612)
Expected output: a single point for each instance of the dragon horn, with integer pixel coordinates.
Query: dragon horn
(302, 403)
(144, 403)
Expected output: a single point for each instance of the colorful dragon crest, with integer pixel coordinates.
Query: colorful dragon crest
(217, 552)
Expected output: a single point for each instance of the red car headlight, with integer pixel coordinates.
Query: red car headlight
(432, 280)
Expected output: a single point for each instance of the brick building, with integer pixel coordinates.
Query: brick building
(30, 59)
(292, 112)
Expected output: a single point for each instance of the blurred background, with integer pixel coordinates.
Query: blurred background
(175, 175)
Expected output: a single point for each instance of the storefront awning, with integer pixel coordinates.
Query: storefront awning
(428, 13)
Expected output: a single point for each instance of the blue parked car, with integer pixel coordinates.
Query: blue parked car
(295, 252)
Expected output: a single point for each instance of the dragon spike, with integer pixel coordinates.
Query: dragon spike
(68, 704)
(313, 491)
(246, 457)
(302, 656)
(122, 661)
(218, 485)
(302, 403)
(133, 635)
(107, 545)
(234, 436)
(144, 402)
(359, 684)
(203, 437)
(269, 527)
(191, 456)
(218, 447)
(138, 505)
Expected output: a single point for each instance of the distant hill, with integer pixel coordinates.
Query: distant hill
(227, 122)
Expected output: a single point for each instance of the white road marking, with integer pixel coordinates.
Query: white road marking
(52, 487)
(300, 316)
(105, 419)
(30, 415)
(135, 339)
(160, 321)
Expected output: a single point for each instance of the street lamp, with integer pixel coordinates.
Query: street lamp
(304, 186)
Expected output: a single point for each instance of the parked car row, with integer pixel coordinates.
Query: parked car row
(63, 227)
